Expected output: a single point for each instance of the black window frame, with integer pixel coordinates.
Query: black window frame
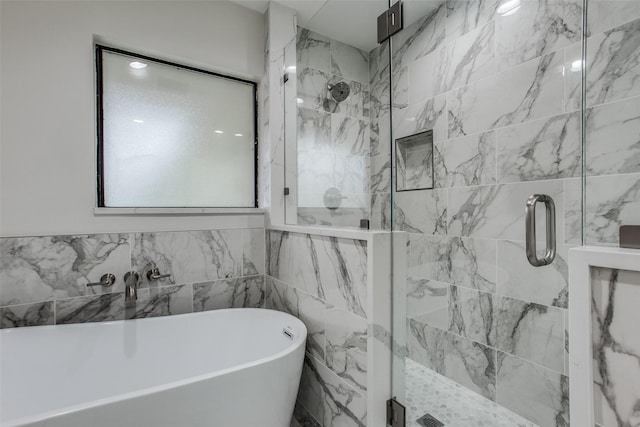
(99, 49)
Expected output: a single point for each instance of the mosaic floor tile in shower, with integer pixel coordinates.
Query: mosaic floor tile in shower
(451, 403)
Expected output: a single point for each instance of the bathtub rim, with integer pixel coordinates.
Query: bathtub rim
(298, 342)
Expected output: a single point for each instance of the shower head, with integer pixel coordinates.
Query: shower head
(339, 91)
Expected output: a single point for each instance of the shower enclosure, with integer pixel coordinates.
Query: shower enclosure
(440, 135)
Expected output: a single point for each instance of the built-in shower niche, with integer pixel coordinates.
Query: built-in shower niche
(414, 162)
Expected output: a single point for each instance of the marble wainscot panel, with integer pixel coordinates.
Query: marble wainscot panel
(189, 256)
(37, 269)
(337, 284)
(242, 292)
(43, 279)
(616, 347)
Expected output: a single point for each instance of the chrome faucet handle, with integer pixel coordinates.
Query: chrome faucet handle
(107, 279)
(131, 280)
(154, 273)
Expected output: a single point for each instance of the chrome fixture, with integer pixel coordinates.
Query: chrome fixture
(107, 279)
(131, 281)
(332, 198)
(630, 236)
(530, 224)
(339, 91)
(154, 273)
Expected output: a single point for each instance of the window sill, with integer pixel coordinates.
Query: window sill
(178, 211)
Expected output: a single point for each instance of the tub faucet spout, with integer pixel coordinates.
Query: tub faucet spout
(131, 281)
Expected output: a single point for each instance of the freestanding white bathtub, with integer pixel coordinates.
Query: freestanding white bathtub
(222, 368)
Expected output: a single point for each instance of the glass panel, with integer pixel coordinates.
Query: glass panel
(495, 84)
(174, 137)
(612, 195)
(335, 92)
(612, 118)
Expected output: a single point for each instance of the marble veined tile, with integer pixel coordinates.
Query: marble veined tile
(464, 16)
(253, 252)
(612, 143)
(349, 62)
(461, 261)
(517, 278)
(328, 398)
(400, 85)
(313, 50)
(380, 134)
(189, 256)
(334, 269)
(421, 211)
(280, 252)
(380, 173)
(535, 29)
(471, 364)
(524, 93)
(616, 346)
(466, 59)
(314, 130)
(36, 269)
(417, 118)
(423, 79)
(243, 292)
(543, 149)
(604, 15)
(380, 211)
(470, 160)
(307, 308)
(426, 345)
(312, 87)
(349, 136)
(472, 314)
(612, 201)
(92, 308)
(497, 212)
(532, 331)
(531, 391)
(613, 67)
(346, 348)
(162, 301)
(428, 302)
(37, 314)
(420, 38)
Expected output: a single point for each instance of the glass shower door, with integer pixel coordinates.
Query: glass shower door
(486, 112)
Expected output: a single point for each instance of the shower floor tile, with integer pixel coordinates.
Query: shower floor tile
(451, 403)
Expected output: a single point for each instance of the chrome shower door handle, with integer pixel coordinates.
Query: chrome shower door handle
(530, 224)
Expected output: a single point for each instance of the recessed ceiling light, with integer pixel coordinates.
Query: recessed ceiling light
(137, 65)
(509, 7)
(238, 134)
(218, 131)
(138, 121)
(300, 101)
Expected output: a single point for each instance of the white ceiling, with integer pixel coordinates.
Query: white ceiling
(353, 22)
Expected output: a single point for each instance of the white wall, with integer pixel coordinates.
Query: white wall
(47, 145)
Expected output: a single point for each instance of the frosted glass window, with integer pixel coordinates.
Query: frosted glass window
(173, 136)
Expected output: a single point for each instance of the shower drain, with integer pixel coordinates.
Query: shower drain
(428, 421)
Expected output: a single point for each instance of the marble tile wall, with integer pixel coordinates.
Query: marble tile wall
(323, 281)
(333, 137)
(616, 347)
(43, 279)
(502, 96)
